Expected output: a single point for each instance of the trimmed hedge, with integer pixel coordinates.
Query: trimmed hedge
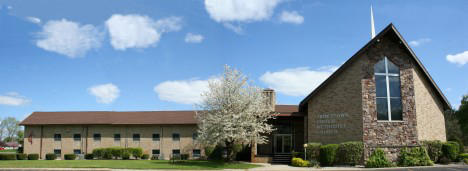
(137, 152)
(117, 152)
(33, 156)
(89, 156)
(21, 156)
(51, 156)
(297, 155)
(378, 160)
(328, 154)
(350, 153)
(20, 150)
(461, 146)
(466, 161)
(70, 156)
(463, 156)
(416, 156)
(450, 150)
(313, 151)
(7, 156)
(145, 157)
(434, 149)
(298, 162)
(125, 156)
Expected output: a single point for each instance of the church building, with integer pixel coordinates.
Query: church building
(382, 96)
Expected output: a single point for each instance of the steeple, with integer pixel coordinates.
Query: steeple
(372, 23)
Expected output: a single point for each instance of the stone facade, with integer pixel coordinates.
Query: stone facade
(67, 144)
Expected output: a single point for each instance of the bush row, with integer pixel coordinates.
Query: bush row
(443, 152)
(347, 153)
(116, 153)
(19, 156)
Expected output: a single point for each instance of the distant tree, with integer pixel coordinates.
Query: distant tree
(233, 111)
(20, 136)
(11, 125)
(452, 127)
(2, 130)
(462, 115)
(12, 144)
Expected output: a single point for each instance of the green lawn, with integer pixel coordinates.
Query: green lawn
(123, 164)
(8, 151)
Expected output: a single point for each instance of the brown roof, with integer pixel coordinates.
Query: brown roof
(128, 118)
(391, 31)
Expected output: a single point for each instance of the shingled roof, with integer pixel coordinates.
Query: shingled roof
(392, 32)
(129, 118)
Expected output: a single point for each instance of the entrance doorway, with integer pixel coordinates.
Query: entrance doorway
(283, 143)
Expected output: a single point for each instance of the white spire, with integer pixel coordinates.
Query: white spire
(372, 23)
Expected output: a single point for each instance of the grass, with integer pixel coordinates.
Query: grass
(8, 151)
(125, 164)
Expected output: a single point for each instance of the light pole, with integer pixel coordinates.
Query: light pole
(305, 152)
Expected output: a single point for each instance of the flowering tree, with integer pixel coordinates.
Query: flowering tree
(234, 110)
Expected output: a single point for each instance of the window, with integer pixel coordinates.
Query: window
(195, 136)
(155, 152)
(176, 151)
(175, 137)
(58, 152)
(116, 137)
(136, 137)
(77, 137)
(77, 151)
(196, 153)
(155, 137)
(57, 137)
(387, 89)
(97, 137)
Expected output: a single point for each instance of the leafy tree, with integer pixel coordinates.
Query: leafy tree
(233, 111)
(462, 115)
(11, 126)
(452, 126)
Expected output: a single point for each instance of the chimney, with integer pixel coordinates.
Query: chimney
(271, 98)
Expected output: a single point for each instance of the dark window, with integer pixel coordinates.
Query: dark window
(177, 151)
(195, 136)
(77, 151)
(116, 137)
(156, 152)
(175, 137)
(155, 137)
(97, 137)
(77, 137)
(57, 137)
(387, 90)
(136, 137)
(58, 152)
(196, 153)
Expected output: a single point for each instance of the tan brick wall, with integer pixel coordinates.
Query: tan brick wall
(67, 143)
(429, 109)
(341, 96)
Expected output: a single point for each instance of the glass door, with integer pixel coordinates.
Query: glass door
(283, 143)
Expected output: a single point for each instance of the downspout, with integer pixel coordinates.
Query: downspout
(126, 136)
(82, 144)
(40, 146)
(86, 146)
(161, 139)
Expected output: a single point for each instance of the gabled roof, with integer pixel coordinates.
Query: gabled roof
(391, 31)
(175, 117)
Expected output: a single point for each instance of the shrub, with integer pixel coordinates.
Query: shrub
(145, 156)
(184, 156)
(328, 154)
(89, 156)
(116, 152)
(125, 155)
(461, 146)
(298, 162)
(51, 156)
(445, 160)
(313, 151)
(297, 155)
(378, 160)
(70, 156)
(466, 161)
(154, 158)
(20, 149)
(98, 153)
(463, 156)
(9, 157)
(434, 149)
(33, 156)
(350, 153)
(21, 156)
(137, 152)
(450, 150)
(416, 156)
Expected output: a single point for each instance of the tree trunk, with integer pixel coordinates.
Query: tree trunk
(230, 151)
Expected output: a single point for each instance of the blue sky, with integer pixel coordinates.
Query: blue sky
(158, 55)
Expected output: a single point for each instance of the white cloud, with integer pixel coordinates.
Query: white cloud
(235, 28)
(291, 17)
(68, 38)
(419, 42)
(105, 93)
(297, 81)
(139, 31)
(193, 38)
(13, 99)
(34, 20)
(182, 91)
(460, 58)
(228, 11)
